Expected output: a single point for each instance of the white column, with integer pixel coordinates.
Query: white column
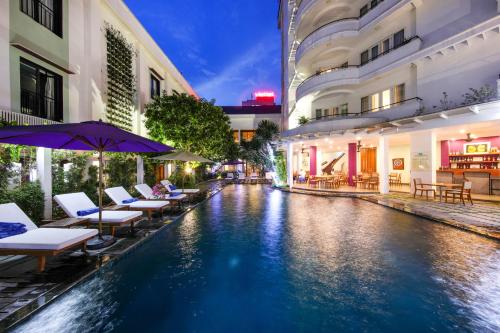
(140, 170)
(289, 164)
(44, 175)
(383, 164)
(4, 54)
(423, 159)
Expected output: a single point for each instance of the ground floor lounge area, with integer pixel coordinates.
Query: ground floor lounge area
(441, 161)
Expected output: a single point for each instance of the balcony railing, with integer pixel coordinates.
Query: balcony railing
(23, 119)
(339, 68)
(42, 14)
(366, 112)
(40, 106)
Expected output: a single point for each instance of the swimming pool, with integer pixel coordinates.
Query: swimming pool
(253, 258)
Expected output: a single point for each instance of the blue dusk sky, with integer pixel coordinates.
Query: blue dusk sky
(226, 49)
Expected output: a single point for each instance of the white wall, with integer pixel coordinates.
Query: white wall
(400, 151)
(4, 56)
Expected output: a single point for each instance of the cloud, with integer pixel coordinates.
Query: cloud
(242, 75)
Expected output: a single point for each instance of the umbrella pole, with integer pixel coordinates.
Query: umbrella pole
(101, 165)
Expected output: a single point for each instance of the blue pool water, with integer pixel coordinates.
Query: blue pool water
(256, 259)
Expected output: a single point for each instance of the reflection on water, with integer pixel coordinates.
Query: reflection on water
(253, 259)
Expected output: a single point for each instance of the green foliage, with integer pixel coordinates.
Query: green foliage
(481, 95)
(121, 170)
(303, 120)
(120, 79)
(259, 151)
(29, 197)
(191, 124)
(280, 163)
(79, 177)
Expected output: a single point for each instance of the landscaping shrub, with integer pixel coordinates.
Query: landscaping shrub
(29, 197)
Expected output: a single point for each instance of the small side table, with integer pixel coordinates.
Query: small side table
(67, 222)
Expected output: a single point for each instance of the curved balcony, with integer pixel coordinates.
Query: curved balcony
(395, 111)
(355, 74)
(344, 27)
(347, 27)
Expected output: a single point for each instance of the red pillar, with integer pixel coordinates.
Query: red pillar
(312, 160)
(352, 155)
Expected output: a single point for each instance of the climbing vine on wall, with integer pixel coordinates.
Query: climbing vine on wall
(120, 79)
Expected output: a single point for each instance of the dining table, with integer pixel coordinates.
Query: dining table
(441, 187)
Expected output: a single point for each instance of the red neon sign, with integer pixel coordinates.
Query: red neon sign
(264, 94)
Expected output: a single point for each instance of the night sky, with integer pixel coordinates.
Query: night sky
(226, 49)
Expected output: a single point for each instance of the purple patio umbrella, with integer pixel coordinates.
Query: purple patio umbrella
(90, 135)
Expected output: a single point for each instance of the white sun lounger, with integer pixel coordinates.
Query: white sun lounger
(230, 176)
(167, 182)
(120, 196)
(39, 242)
(147, 193)
(73, 202)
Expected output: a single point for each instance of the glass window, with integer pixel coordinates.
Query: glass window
(365, 57)
(399, 93)
(386, 45)
(386, 99)
(318, 113)
(41, 92)
(375, 102)
(363, 11)
(236, 136)
(344, 109)
(399, 38)
(247, 135)
(365, 106)
(155, 86)
(46, 12)
(373, 4)
(375, 52)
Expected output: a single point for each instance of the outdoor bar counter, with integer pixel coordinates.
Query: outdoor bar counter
(484, 181)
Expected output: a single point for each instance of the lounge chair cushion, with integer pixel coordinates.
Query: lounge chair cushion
(145, 190)
(148, 204)
(47, 239)
(71, 202)
(10, 212)
(114, 216)
(175, 196)
(129, 201)
(8, 229)
(187, 190)
(88, 211)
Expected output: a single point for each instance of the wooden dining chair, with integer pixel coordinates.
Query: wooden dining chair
(417, 184)
(463, 193)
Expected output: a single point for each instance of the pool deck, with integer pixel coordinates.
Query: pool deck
(24, 290)
(482, 218)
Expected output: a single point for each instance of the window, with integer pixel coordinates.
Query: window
(46, 12)
(399, 93)
(386, 45)
(247, 135)
(399, 38)
(373, 4)
(375, 52)
(41, 92)
(386, 99)
(155, 86)
(236, 136)
(344, 109)
(365, 106)
(345, 65)
(318, 113)
(375, 102)
(365, 57)
(363, 11)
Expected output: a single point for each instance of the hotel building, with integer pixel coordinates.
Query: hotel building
(385, 87)
(78, 60)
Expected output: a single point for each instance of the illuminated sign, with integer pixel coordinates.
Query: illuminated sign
(264, 94)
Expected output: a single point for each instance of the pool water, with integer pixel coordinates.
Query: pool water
(257, 259)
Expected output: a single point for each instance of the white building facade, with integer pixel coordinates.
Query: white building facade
(78, 60)
(394, 76)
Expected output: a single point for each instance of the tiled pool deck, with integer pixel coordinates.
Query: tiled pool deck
(483, 217)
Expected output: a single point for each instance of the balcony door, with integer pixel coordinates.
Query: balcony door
(41, 92)
(368, 160)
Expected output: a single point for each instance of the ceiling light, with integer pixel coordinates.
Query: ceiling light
(462, 131)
